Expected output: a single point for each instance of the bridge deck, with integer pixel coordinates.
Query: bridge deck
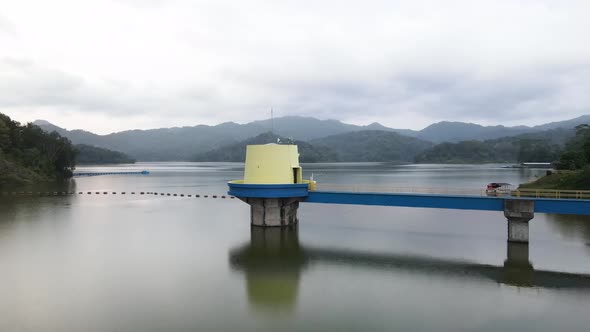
(440, 201)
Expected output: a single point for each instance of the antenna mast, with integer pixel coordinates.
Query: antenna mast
(272, 121)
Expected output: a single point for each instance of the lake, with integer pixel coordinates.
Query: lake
(164, 263)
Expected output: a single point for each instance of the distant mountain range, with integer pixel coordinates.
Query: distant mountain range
(186, 143)
(365, 145)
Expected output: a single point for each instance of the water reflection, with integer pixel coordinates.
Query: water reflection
(31, 207)
(274, 261)
(67, 185)
(518, 269)
(571, 226)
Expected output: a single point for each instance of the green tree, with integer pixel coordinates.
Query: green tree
(4, 136)
(577, 152)
(30, 154)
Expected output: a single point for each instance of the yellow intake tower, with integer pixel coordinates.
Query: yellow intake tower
(273, 185)
(272, 164)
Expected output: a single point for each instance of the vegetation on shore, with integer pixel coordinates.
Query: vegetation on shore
(573, 165)
(29, 154)
(570, 180)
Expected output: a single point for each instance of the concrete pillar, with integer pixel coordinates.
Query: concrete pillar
(273, 212)
(519, 213)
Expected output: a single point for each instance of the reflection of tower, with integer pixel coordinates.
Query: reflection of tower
(272, 262)
(518, 270)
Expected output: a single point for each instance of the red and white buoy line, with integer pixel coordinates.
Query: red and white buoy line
(88, 193)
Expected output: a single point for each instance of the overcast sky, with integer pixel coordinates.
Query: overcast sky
(108, 66)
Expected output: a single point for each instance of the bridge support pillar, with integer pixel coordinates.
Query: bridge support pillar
(273, 212)
(519, 212)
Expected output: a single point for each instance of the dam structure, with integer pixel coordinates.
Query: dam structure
(274, 188)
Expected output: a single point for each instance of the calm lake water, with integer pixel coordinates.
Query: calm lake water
(146, 263)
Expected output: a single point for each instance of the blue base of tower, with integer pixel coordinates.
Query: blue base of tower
(242, 190)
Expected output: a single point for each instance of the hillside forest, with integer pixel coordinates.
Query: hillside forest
(27, 153)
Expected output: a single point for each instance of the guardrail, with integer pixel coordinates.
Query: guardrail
(552, 193)
(536, 193)
(401, 190)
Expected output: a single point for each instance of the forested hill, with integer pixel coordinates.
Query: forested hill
(368, 145)
(535, 147)
(87, 154)
(29, 154)
(373, 145)
(236, 152)
(574, 165)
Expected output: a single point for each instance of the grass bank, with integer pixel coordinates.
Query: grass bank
(573, 180)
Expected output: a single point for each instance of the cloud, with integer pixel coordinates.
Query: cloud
(6, 26)
(402, 63)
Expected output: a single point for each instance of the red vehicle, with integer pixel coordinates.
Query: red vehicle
(498, 189)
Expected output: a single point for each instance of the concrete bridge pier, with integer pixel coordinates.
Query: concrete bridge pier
(273, 212)
(519, 212)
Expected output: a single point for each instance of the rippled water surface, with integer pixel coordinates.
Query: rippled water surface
(164, 263)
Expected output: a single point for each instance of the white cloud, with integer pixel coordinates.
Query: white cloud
(403, 63)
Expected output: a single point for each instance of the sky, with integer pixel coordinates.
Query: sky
(108, 66)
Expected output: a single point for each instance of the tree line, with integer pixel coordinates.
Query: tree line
(576, 155)
(502, 150)
(27, 153)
